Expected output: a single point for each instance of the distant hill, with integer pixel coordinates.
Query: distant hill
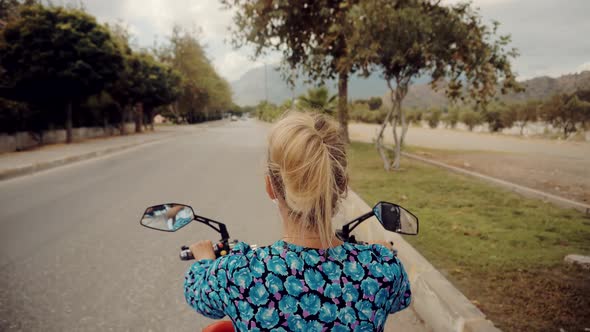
(249, 89)
(538, 88)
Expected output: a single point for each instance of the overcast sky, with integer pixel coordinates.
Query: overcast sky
(552, 35)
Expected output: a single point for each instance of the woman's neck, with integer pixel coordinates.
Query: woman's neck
(294, 234)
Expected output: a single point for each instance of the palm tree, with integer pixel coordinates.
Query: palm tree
(318, 99)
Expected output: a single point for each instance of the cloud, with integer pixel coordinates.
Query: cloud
(584, 66)
(550, 35)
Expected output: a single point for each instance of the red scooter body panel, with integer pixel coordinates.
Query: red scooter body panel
(223, 326)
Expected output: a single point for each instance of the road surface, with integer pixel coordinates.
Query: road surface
(73, 256)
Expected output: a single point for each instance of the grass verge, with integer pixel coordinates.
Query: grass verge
(504, 252)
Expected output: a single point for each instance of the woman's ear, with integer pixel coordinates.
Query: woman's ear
(269, 189)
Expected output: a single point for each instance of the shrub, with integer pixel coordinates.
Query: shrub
(433, 118)
(375, 103)
(495, 118)
(451, 118)
(362, 113)
(470, 118)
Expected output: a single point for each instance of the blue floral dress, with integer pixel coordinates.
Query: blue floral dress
(285, 287)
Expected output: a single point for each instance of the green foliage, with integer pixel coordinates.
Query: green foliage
(313, 37)
(362, 112)
(565, 111)
(317, 99)
(527, 112)
(471, 118)
(408, 38)
(53, 57)
(495, 116)
(433, 117)
(447, 42)
(451, 118)
(414, 116)
(269, 112)
(375, 103)
(70, 43)
(204, 95)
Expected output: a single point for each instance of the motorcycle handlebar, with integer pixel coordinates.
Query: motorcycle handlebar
(220, 249)
(187, 255)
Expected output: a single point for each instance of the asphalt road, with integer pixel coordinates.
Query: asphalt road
(73, 256)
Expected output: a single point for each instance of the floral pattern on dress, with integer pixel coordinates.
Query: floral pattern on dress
(285, 287)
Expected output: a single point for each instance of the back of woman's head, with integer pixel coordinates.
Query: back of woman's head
(307, 166)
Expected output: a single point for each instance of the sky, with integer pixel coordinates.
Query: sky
(551, 35)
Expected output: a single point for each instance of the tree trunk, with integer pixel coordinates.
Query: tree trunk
(402, 115)
(379, 139)
(151, 115)
(343, 105)
(122, 128)
(69, 137)
(138, 117)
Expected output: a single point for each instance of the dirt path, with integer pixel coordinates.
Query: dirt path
(558, 167)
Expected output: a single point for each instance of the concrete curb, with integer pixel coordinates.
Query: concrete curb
(522, 190)
(435, 300)
(41, 166)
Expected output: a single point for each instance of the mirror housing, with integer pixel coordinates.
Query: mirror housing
(167, 217)
(395, 218)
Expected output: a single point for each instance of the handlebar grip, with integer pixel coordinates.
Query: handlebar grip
(186, 254)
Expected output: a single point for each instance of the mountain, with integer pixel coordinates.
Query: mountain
(538, 88)
(249, 89)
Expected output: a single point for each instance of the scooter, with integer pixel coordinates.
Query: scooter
(173, 216)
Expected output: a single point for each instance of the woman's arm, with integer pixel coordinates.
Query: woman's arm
(201, 289)
(400, 294)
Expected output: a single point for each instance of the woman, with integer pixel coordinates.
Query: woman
(308, 280)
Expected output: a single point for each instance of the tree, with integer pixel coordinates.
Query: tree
(494, 115)
(313, 36)
(433, 118)
(375, 103)
(204, 95)
(163, 88)
(9, 9)
(408, 38)
(57, 56)
(318, 99)
(451, 118)
(525, 113)
(471, 118)
(564, 111)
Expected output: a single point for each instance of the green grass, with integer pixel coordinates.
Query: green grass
(467, 224)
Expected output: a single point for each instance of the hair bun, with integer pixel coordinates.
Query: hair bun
(307, 164)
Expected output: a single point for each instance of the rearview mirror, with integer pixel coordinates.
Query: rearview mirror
(167, 217)
(395, 218)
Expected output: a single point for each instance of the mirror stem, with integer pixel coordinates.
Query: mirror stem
(348, 228)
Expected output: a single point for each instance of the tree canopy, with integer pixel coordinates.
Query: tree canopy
(204, 94)
(313, 37)
(56, 55)
(318, 99)
(407, 38)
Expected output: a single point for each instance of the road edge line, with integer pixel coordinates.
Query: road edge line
(56, 163)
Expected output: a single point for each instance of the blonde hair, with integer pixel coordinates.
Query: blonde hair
(307, 167)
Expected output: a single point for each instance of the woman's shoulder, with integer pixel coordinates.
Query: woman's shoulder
(377, 251)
